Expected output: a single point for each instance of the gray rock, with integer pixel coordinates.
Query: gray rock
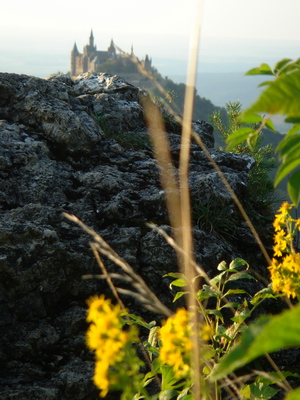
(55, 158)
(46, 107)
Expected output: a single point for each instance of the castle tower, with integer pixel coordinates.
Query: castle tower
(74, 55)
(91, 41)
(146, 63)
(112, 49)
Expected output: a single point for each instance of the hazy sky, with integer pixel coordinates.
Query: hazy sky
(37, 36)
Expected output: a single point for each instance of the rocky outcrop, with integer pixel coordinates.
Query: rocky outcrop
(82, 148)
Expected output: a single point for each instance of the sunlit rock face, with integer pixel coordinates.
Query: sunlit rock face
(82, 147)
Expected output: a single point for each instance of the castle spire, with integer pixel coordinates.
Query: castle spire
(75, 50)
(112, 49)
(91, 43)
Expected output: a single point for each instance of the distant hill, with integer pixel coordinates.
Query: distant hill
(130, 71)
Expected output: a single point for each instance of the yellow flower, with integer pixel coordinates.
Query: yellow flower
(106, 337)
(285, 207)
(283, 216)
(285, 276)
(176, 343)
(206, 332)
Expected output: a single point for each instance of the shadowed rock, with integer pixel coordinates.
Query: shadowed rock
(55, 158)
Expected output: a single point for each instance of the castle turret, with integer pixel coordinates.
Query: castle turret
(91, 41)
(74, 55)
(75, 50)
(112, 49)
(146, 63)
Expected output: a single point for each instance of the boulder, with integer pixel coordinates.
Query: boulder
(82, 148)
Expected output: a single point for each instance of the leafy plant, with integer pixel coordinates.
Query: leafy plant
(197, 351)
(128, 140)
(281, 96)
(260, 189)
(227, 343)
(214, 216)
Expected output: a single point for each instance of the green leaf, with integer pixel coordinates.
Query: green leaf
(234, 291)
(293, 187)
(153, 334)
(152, 351)
(264, 69)
(238, 137)
(274, 377)
(237, 262)
(292, 120)
(206, 292)
(178, 295)
(253, 71)
(169, 381)
(265, 83)
(258, 391)
(282, 96)
(174, 275)
(214, 281)
(288, 166)
(287, 145)
(241, 316)
(179, 283)
(265, 293)
(222, 266)
(180, 280)
(184, 395)
(281, 64)
(240, 275)
(252, 118)
(139, 321)
(168, 394)
(266, 335)
(231, 305)
(217, 313)
(270, 125)
(293, 395)
(291, 67)
(292, 131)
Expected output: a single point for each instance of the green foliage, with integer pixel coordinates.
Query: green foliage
(128, 140)
(202, 106)
(266, 335)
(217, 290)
(281, 96)
(132, 140)
(293, 395)
(258, 390)
(214, 216)
(260, 189)
(214, 329)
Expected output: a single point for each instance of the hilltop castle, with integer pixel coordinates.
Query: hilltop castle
(91, 58)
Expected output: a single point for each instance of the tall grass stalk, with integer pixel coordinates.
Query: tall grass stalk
(177, 195)
(185, 203)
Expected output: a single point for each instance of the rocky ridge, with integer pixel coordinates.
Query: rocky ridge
(59, 152)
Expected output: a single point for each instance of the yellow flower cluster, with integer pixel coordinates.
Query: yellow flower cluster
(282, 221)
(106, 337)
(285, 274)
(176, 343)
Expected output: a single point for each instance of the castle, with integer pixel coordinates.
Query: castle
(91, 58)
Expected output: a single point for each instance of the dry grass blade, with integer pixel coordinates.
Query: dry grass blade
(163, 156)
(145, 295)
(179, 250)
